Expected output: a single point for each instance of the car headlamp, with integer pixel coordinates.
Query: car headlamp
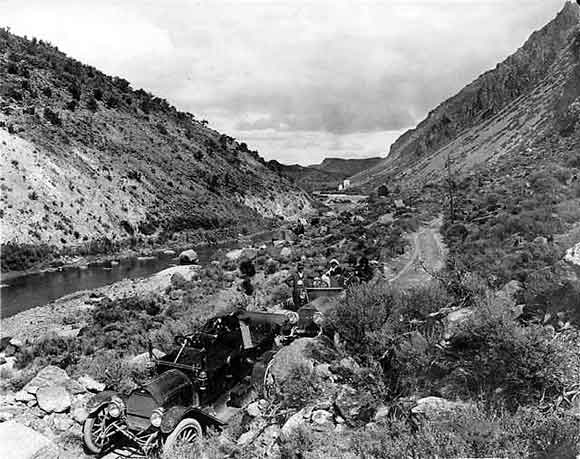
(156, 417)
(115, 407)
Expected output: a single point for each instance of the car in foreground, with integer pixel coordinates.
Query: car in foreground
(174, 408)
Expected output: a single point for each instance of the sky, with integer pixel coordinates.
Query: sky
(296, 80)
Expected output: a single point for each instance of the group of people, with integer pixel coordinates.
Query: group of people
(334, 276)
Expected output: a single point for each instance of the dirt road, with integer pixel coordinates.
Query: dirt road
(426, 256)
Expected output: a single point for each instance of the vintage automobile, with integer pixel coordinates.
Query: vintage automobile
(174, 407)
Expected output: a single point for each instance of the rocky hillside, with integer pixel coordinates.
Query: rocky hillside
(85, 157)
(532, 95)
(326, 175)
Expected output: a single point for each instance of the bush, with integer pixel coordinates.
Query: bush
(470, 433)
(494, 355)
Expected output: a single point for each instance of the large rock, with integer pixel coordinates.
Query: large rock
(234, 255)
(295, 422)
(455, 319)
(90, 384)
(298, 353)
(356, 408)
(188, 257)
(286, 253)
(573, 255)
(20, 442)
(250, 253)
(54, 398)
(434, 406)
(48, 376)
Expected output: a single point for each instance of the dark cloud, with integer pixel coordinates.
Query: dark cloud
(292, 75)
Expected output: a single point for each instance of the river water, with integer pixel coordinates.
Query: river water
(31, 290)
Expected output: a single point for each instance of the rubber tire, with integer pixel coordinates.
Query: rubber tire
(88, 437)
(171, 441)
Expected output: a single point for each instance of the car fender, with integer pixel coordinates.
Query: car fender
(175, 414)
(98, 400)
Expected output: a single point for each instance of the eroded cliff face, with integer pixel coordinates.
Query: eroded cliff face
(85, 157)
(521, 97)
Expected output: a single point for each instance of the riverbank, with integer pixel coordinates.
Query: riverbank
(74, 257)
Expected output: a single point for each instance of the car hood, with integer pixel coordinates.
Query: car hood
(167, 384)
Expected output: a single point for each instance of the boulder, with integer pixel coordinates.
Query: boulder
(16, 342)
(234, 255)
(54, 398)
(355, 407)
(62, 422)
(250, 253)
(48, 376)
(573, 255)
(294, 422)
(90, 384)
(286, 253)
(322, 419)
(188, 257)
(20, 442)
(254, 410)
(455, 319)
(298, 353)
(23, 396)
(434, 406)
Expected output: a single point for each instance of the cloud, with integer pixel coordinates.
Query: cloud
(295, 71)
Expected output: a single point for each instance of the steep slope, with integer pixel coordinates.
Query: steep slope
(85, 157)
(531, 94)
(326, 175)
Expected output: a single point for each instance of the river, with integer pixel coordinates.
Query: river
(21, 293)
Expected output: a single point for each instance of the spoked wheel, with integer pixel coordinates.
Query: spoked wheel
(187, 432)
(94, 432)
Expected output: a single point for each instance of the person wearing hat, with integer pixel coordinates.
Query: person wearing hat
(334, 272)
(297, 282)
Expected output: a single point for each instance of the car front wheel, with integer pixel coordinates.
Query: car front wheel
(188, 431)
(94, 432)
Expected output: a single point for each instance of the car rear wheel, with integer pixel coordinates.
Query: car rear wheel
(94, 430)
(188, 431)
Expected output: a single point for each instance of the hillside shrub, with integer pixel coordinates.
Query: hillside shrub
(52, 117)
(20, 257)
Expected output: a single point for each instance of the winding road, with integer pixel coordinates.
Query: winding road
(428, 256)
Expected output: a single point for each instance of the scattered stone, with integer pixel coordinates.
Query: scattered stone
(246, 438)
(16, 342)
(350, 364)
(6, 416)
(62, 422)
(286, 253)
(322, 418)
(293, 423)
(54, 398)
(573, 255)
(90, 384)
(433, 406)
(234, 255)
(10, 350)
(254, 410)
(20, 442)
(355, 407)
(188, 257)
(382, 412)
(169, 252)
(455, 319)
(23, 396)
(32, 403)
(250, 253)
